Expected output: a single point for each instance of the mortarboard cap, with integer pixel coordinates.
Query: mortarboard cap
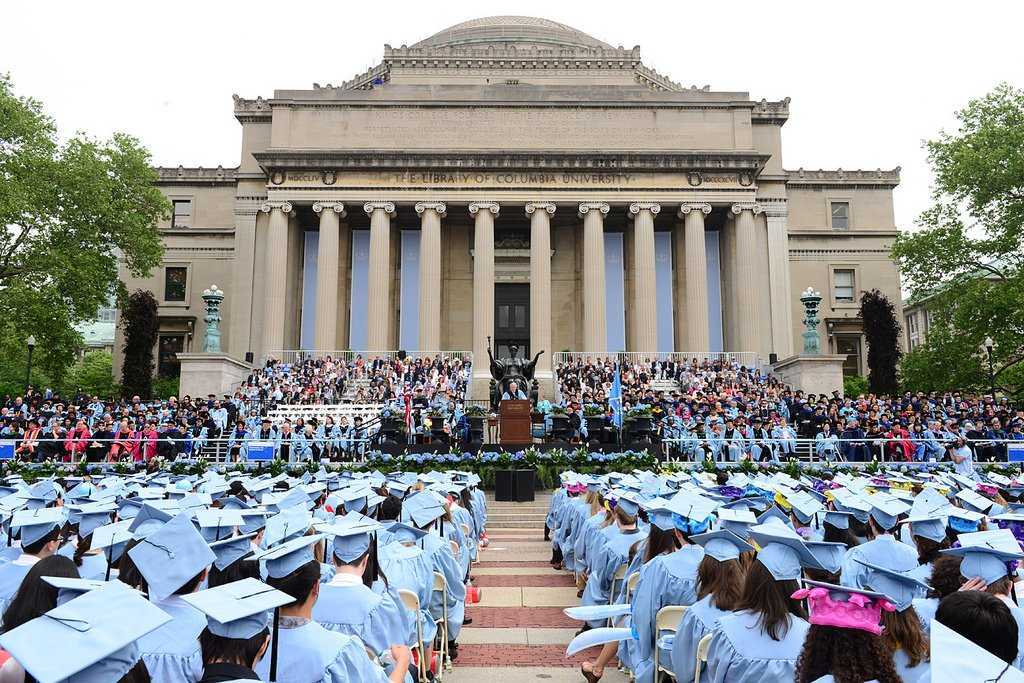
(218, 524)
(899, 587)
(239, 610)
(284, 559)
(231, 550)
(829, 555)
(403, 533)
(287, 525)
(782, 552)
(171, 556)
(722, 545)
(36, 524)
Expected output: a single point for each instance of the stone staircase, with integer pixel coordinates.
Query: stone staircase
(505, 515)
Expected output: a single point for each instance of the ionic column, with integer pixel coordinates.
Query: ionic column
(540, 214)
(779, 283)
(378, 281)
(326, 324)
(644, 327)
(430, 214)
(275, 275)
(698, 336)
(595, 328)
(484, 214)
(745, 276)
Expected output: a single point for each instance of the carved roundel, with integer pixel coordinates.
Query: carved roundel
(277, 177)
(746, 180)
(330, 177)
(694, 178)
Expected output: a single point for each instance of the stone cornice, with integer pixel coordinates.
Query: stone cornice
(196, 175)
(842, 178)
(546, 160)
(252, 110)
(775, 113)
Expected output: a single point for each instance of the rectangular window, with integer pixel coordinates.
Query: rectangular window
(175, 283)
(849, 347)
(912, 324)
(843, 286)
(167, 363)
(840, 215)
(182, 215)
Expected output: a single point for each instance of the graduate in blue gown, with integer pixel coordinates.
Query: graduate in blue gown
(308, 652)
(760, 642)
(719, 582)
(409, 568)
(40, 537)
(884, 516)
(173, 560)
(614, 553)
(347, 605)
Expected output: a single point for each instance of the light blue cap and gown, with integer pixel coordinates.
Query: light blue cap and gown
(885, 550)
(346, 605)
(218, 524)
(422, 509)
(310, 652)
(408, 567)
(168, 559)
(702, 616)
(94, 637)
(740, 651)
(35, 525)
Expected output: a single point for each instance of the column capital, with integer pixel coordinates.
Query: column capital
(686, 207)
(586, 207)
(439, 207)
(386, 207)
(740, 207)
(336, 207)
(476, 207)
(531, 207)
(636, 207)
(285, 207)
(774, 207)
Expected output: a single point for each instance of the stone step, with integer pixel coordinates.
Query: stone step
(511, 524)
(516, 509)
(527, 518)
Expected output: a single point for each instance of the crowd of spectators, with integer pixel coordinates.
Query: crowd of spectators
(725, 411)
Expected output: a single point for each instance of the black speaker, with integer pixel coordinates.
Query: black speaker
(503, 485)
(523, 486)
(249, 358)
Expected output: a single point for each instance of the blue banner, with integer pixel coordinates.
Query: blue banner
(615, 398)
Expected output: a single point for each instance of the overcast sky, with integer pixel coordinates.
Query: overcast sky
(868, 80)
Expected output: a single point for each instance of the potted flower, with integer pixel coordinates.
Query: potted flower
(476, 415)
(559, 422)
(595, 416)
(638, 420)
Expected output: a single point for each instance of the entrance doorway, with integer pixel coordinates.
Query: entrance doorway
(511, 319)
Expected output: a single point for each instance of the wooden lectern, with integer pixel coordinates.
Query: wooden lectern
(515, 422)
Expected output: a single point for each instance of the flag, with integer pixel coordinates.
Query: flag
(408, 411)
(615, 399)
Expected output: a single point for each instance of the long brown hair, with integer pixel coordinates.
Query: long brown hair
(928, 550)
(659, 542)
(850, 655)
(903, 632)
(770, 600)
(722, 580)
(622, 517)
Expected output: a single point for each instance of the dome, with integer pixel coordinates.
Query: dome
(510, 29)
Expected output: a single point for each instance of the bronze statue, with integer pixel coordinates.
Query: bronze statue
(508, 370)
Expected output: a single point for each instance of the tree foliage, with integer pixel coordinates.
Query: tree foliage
(140, 322)
(882, 334)
(967, 260)
(93, 374)
(69, 210)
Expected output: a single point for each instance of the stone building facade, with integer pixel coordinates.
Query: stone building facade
(515, 178)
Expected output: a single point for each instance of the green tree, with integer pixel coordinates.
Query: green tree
(140, 322)
(93, 374)
(71, 209)
(882, 334)
(967, 259)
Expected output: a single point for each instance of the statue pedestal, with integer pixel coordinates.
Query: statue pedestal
(812, 374)
(210, 373)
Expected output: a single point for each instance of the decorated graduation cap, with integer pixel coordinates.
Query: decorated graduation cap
(96, 635)
(691, 512)
(899, 587)
(964, 521)
(217, 524)
(171, 556)
(843, 606)
(722, 545)
(231, 550)
(284, 559)
(36, 523)
(987, 554)
(239, 610)
(782, 552)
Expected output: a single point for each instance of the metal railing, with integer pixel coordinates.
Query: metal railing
(745, 358)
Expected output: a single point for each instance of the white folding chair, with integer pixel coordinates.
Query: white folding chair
(412, 603)
(667, 619)
(617, 578)
(702, 655)
(631, 583)
(441, 586)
